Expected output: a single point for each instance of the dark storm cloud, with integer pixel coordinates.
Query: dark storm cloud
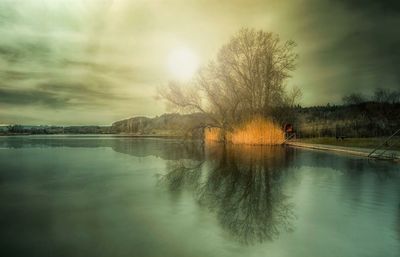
(354, 48)
(387, 6)
(98, 67)
(9, 96)
(12, 75)
(81, 93)
(21, 51)
(375, 39)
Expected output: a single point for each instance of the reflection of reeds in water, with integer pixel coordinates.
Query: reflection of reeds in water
(212, 135)
(256, 132)
(249, 154)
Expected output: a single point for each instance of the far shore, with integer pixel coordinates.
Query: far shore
(367, 143)
(92, 135)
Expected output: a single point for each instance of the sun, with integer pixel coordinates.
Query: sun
(182, 63)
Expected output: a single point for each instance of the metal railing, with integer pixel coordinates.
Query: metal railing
(289, 137)
(383, 144)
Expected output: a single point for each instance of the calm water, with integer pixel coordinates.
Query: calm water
(104, 196)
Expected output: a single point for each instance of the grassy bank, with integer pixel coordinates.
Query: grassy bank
(351, 142)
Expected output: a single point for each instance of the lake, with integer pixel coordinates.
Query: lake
(114, 196)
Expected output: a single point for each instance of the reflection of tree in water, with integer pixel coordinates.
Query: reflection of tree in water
(242, 185)
(398, 221)
(181, 173)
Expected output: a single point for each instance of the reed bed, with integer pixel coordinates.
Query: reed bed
(258, 131)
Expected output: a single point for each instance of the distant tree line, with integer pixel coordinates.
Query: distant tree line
(380, 95)
(359, 116)
(43, 130)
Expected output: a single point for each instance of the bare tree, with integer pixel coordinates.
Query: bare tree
(353, 99)
(386, 96)
(294, 95)
(247, 78)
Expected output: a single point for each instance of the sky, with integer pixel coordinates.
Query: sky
(74, 62)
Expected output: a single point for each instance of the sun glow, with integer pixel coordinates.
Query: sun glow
(182, 63)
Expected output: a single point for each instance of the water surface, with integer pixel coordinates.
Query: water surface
(107, 196)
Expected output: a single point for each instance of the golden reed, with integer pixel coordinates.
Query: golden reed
(258, 131)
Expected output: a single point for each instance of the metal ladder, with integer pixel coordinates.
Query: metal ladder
(381, 145)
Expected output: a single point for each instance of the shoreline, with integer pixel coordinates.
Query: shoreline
(356, 151)
(392, 155)
(93, 135)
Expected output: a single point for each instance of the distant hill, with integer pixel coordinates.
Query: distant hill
(164, 125)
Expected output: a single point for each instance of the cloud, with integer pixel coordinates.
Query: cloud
(82, 94)
(384, 7)
(9, 96)
(103, 60)
(347, 46)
